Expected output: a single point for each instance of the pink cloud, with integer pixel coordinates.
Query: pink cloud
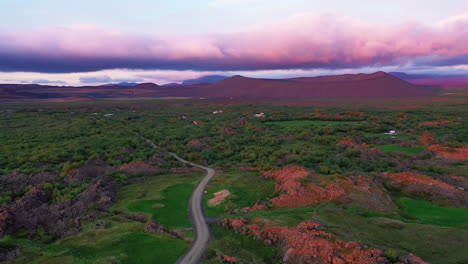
(303, 41)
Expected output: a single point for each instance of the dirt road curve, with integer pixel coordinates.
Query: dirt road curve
(199, 246)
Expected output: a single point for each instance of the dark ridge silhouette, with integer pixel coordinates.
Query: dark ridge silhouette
(376, 85)
(205, 79)
(379, 84)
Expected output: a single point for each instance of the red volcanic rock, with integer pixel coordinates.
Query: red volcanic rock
(414, 185)
(295, 194)
(457, 153)
(403, 116)
(257, 207)
(427, 139)
(194, 143)
(378, 84)
(346, 142)
(413, 178)
(435, 123)
(307, 243)
(228, 259)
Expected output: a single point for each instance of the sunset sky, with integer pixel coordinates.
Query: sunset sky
(102, 41)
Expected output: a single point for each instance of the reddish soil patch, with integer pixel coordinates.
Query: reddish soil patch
(435, 123)
(427, 139)
(288, 182)
(414, 178)
(308, 243)
(219, 197)
(457, 153)
(346, 142)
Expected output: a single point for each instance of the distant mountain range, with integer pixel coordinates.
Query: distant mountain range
(434, 79)
(375, 85)
(205, 79)
(120, 84)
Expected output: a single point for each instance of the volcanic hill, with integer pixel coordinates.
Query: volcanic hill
(375, 85)
(379, 84)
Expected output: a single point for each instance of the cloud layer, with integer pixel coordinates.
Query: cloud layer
(300, 42)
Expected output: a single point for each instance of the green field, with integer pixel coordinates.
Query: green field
(389, 148)
(382, 135)
(163, 211)
(243, 192)
(432, 214)
(434, 244)
(233, 244)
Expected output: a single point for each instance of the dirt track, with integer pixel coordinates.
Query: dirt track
(199, 246)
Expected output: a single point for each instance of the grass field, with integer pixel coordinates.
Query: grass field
(125, 242)
(163, 211)
(230, 243)
(241, 185)
(435, 244)
(388, 148)
(382, 135)
(429, 213)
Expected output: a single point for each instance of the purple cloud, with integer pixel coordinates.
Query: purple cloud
(305, 41)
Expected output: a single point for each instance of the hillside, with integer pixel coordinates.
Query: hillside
(378, 84)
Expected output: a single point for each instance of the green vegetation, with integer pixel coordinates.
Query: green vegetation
(432, 214)
(243, 192)
(388, 148)
(232, 244)
(172, 211)
(123, 242)
(437, 245)
(299, 123)
(383, 135)
(40, 140)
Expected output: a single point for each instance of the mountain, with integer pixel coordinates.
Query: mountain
(445, 81)
(171, 84)
(376, 85)
(146, 85)
(120, 84)
(379, 84)
(205, 79)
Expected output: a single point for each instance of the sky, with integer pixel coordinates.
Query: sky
(91, 42)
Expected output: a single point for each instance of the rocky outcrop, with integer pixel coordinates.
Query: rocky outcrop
(455, 153)
(422, 186)
(138, 217)
(309, 243)
(9, 253)
(231, 260)
(6, 221)
(156, 228)
(356, 191)
(35, 210)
